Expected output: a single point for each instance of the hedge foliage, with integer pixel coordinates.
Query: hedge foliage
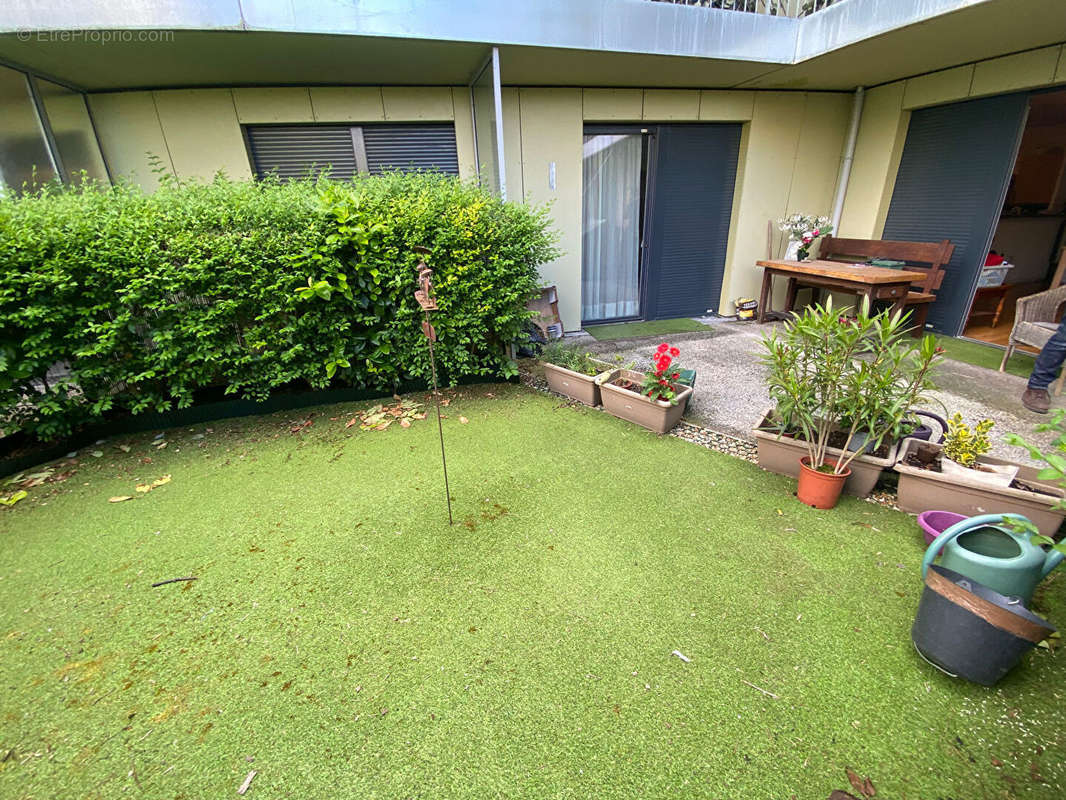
(116, 301)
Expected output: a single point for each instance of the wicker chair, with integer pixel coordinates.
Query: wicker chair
(1034, 324)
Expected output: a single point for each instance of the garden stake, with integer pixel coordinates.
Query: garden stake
(425, 298)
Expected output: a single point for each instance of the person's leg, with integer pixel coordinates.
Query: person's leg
(1036, 397)
(1046, 368)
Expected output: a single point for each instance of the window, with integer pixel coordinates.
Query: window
(296, 151)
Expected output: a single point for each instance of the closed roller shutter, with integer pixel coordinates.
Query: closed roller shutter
(300, 150)
(692, 200)
(951, 182)
(411, 147)
(296, 151)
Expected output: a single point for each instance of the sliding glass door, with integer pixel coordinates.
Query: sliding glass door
(611, 226)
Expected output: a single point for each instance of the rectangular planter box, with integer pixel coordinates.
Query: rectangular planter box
(657, 416)
(927, 490)
(583, 388)
(782, 455)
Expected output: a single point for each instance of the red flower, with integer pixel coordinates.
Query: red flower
(664, 362)
(675, 352)
(676, 375)
(663, 381)
(663, 348)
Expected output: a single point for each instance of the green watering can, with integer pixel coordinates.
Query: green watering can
(993, 555)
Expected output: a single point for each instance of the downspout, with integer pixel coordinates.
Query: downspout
(849, 156)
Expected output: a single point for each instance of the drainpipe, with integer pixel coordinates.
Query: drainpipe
(849, 156)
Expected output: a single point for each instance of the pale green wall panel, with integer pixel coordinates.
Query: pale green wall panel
(938, 87)
(819, 153)
(202, 133)
(768, 166)
(1019, 71)
(609, 105)
(278, 104)
(512, 144)
(417, 103)
(551, 129)
(464, 133)
(881, 133)
(129, 130)
(347, 104)
(671, 105)
(726, 105)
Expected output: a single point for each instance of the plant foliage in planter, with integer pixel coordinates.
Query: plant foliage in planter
(572, 358)
(860, 375)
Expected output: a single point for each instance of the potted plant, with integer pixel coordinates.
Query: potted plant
(654, 399)
(836, 380)
(963, 448)
(803, 230)
(572, 372)
(957, 476)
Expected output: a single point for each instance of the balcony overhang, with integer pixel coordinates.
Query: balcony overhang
(125, 44)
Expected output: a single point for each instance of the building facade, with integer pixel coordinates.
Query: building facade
(665, 137)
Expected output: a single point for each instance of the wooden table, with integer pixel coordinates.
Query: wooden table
(876, 283)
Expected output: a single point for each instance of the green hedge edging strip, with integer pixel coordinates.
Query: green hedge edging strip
(200, 414)
(251, 286)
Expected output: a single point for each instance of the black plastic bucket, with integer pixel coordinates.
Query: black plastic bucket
(970, 631)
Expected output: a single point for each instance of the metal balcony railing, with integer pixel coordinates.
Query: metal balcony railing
(774, 8)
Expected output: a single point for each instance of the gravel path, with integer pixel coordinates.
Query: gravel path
(730, 394)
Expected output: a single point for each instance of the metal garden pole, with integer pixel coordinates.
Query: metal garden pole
(425, 298)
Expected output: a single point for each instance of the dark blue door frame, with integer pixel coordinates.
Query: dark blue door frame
(689, 179)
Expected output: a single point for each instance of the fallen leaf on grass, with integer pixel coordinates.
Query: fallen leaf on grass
(861, 785)
(120, 498)
(463, 420)
(11, 499)
(125, 448)
(380, 417)
(161, 445)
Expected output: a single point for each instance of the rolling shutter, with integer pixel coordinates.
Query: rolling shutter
(951, 183)
(296, 151)
(694, 175)
(411, 147)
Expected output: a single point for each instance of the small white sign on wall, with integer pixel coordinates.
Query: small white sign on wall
(551, 175)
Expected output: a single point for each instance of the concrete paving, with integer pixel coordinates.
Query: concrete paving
(731, 393)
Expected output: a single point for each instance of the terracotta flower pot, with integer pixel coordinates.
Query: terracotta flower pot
(781, 454)
(819, 489)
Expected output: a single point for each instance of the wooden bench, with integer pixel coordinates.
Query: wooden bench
(926, 257)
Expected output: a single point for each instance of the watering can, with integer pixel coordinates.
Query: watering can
(983, 549)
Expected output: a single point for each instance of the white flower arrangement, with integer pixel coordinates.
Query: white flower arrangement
(804, 227)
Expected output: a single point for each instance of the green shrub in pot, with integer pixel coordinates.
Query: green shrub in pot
(858, 375)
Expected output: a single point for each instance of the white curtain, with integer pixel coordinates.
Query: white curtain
(610, 236)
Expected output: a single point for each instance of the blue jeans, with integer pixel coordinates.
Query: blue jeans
(1050, 359)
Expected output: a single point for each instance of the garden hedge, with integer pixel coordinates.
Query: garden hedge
(114, 301)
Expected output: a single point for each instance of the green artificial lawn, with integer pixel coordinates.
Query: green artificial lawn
(655, 327)
(343, 641)
(984, 355)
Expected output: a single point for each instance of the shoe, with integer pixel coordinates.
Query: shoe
(1037, 400)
